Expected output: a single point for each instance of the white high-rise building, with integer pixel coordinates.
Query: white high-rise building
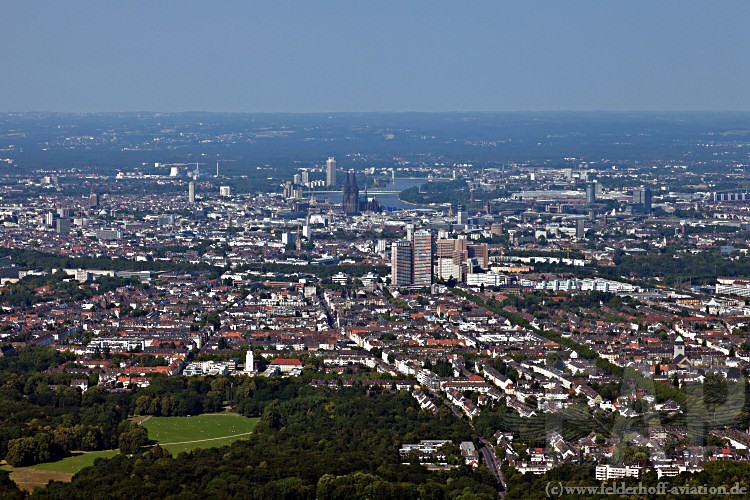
(331, 171)
(401, 263)
(463, 216)
(381, 246)
(422, 258)
(191, 192)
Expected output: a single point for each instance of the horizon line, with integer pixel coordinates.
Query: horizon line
(509, 111)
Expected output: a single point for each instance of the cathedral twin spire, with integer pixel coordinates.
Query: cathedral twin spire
(351, 195)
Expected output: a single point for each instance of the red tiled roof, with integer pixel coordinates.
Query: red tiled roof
(287, 362)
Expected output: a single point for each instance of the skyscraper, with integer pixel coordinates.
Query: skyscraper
(331, 171)
(451, 258)
(463, 216)
(580, 229)
(642, 196)
(401, 263)
(62, 226)
(422, 258)
(590, 193)
(191, 192)
(480, 252)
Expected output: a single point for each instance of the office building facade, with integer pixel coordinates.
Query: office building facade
(331, 171)
(422, 258)
(401, 263)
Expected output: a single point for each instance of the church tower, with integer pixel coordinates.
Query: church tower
(351, 195)
(679, 346)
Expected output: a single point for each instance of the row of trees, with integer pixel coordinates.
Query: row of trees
(678, 267)
(33, 259)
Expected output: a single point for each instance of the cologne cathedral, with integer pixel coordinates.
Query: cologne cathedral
(351, 195)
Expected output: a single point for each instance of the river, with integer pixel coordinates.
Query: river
(391, 201)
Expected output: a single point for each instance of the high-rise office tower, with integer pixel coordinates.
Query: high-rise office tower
(451, 258)
(191, 192)
(480, 252)
(580, 229)
(305, 177)
(642, 196)
(401, 262)
(590, 193)
(410, 232)
(422, 258)
(62, 226)
(93, 200)
(463, 216)
(331, 171)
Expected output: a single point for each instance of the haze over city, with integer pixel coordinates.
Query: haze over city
(329, 56)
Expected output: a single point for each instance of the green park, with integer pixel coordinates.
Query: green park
(176, 434)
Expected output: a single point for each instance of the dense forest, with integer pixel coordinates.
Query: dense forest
(675, 268)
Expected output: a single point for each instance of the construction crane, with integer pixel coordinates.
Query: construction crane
(217, 165)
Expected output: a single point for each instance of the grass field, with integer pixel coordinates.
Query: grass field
(201, 431)
(37, 476)
(73, 464)
(176, 434)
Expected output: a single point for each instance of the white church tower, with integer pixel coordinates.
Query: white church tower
(679, 346)
(249, 362)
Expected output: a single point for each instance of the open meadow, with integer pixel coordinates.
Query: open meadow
(176, 434)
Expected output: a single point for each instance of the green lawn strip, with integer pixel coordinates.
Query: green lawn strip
(200, 431)
(176, 449)
(71, 465)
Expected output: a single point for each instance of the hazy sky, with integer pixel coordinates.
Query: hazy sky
(351, 55)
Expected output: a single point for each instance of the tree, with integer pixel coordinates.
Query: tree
(21, 452)
(132, 440)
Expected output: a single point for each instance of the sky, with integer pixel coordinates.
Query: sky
(384, 55)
